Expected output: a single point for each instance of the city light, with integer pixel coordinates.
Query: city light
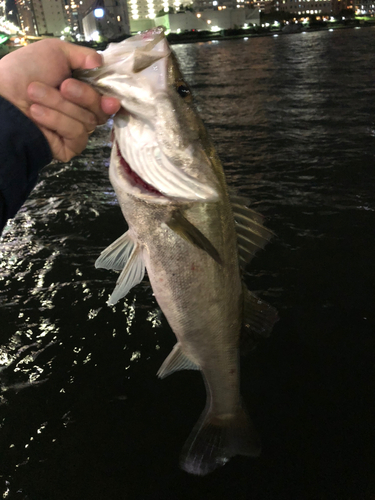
(99, 13)
(8, 27)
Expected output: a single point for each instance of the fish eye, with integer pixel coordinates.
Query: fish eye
(182, 89)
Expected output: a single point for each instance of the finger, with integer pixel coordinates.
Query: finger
(51, 98)
(71, 132)
(61, 150)
(81, 57)
(85, 96)
(110, 105)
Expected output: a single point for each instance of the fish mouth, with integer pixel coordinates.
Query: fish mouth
(134, 179)
(148, 171)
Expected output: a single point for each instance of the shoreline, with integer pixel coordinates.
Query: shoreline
(204, 37)
(262, 32)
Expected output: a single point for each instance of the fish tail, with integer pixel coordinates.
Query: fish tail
(217, 438)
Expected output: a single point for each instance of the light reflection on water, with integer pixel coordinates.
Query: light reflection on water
(293, 120)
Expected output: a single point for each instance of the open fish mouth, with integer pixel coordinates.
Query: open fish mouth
(133, 179)
(149, 171)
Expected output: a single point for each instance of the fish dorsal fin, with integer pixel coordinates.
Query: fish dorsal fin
(259, 319)
(251, 234)
(131, 275)
(176, 361)
(180, 225)
(117, 254)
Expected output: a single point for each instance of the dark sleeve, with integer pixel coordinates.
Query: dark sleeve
(23, 152)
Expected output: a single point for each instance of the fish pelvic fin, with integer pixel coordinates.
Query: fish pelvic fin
(259, 320)
(181, 226)
(131, 275)
(176, 361)
(217, 438)
(117, 254)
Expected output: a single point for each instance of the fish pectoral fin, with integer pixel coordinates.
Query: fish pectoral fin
(176, 361)
(181, 226)
(117, 254)
(131, 275)
(259, 319)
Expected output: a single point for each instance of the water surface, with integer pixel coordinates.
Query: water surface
(82, 414)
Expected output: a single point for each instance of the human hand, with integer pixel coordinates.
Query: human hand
(30, 78)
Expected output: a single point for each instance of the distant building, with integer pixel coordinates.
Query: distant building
(265, 6)
(364, 7)
(214, 20)
(26, 16)
(72, 12)
(106, 18)
(39, 17)
(311, 7)
(200, 5)
(141, 10)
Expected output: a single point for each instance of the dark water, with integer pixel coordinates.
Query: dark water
(82, 414)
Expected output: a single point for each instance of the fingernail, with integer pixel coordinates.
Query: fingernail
(37, 91)
(93, 61)
(74, 89)
(37, 110)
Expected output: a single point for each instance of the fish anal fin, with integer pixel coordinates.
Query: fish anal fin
(176, 361)
(217, 438)
(131, 275)
(117, 254)
(259, 320)
(181, 226)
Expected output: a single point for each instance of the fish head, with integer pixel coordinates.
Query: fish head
(158, 153)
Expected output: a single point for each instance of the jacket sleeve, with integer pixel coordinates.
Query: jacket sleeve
(23, 152)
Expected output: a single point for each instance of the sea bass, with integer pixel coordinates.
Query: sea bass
(187, 233)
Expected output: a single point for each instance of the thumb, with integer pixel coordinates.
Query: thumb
(81, 57)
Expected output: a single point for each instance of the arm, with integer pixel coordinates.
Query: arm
(44, 114)
(23, 152)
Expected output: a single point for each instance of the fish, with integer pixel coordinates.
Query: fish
(191, 235)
